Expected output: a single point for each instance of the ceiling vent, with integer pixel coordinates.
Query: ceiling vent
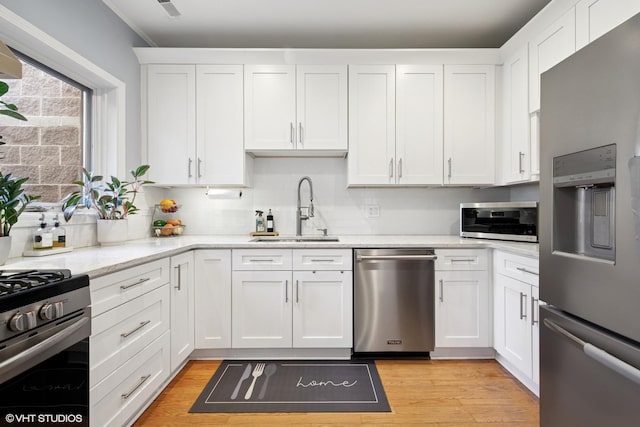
(169, 8)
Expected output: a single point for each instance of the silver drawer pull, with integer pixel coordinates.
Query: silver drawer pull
(396, 257)
(321, 260)
(441, 291)
(136, 329)
(262, 260)
(524, 270)
(523, 314)
(139, 282)
(463, 260)
(137, 386)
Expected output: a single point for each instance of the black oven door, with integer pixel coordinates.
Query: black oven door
(54, 390)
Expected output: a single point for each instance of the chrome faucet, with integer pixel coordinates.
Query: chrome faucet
(299, 216)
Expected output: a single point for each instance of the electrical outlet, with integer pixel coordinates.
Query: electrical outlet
(372, 211)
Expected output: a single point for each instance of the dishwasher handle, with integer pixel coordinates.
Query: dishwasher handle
(361, 258)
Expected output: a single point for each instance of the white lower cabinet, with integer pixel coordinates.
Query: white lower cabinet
(212, 298)
(182, 308)
(516, 318)
(310, 307)
(462, 299)
(121, 395)
(130, 343)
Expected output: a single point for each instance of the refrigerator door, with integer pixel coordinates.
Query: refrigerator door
(591, 100)
(580, 385)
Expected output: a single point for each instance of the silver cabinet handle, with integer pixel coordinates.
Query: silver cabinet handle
(396, 257)
(291, 133)
(520, 156)
(321, 260)
(400, 168)
(271, 260)
(179, 287)
(137, 386)
(199, 167)
(441, 291)
(300, 137)
(286, 291)
(136, 329)
(297, 291)
(139, 282)
(534, 302)
(391, 168)
(449, 161)
(523, 315)
(463, 260)
(623, 368)
(189, 168)
(524, 270)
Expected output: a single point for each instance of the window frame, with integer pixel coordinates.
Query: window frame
(108, 106)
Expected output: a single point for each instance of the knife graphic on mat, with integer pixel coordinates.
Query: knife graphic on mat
(245, 375)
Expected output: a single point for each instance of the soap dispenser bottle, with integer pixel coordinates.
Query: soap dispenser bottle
(59, 234)
(270, 224)
(43, 238)
(259, 222)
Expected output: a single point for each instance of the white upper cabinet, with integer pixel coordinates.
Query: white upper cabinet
(295, 108)
(321, 107)
(419, 124)
(596, 17)
(469, 124)
(372, 122)
(194, 124)
(171, 123)
(547, 49)
(220, 141)
(516, 149)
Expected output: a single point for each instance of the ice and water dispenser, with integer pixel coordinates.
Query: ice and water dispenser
(584, 192)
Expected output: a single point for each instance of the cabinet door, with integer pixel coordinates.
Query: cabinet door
(322, 309)
(513, 328)
(516, 153)
(594, 18)
(171, 123)
(270, 107)
(462, 309)
(220, 153)
(419, 124)
(213, 298)
(261, 309)
(372, 121)
(469, 124)
(548, 48)
(182, 308)
(321, 107)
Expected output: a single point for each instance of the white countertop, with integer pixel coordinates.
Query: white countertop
(100, 260)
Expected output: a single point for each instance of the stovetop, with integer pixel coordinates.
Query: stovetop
(12, 281)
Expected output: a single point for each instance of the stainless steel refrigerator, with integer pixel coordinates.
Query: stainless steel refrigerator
(589, 228)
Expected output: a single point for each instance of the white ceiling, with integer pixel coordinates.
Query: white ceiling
(328, 23)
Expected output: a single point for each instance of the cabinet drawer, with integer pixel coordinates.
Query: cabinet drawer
(261, 259)
(123, 393)
(118, 288)
(461, 259)
(322, 259)
(517, 267)
(119, 334)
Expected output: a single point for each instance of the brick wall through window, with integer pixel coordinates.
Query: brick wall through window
(47, 148)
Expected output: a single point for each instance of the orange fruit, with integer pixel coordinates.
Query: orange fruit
(167, 230)
(174, 222)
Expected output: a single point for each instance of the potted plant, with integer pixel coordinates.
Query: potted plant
(13, 201)
(113, 201)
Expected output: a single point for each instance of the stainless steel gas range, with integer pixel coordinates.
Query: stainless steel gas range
(45, 323)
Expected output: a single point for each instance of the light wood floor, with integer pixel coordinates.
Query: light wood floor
(420, 392)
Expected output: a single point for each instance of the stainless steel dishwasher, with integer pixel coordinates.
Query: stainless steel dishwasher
(394, 307)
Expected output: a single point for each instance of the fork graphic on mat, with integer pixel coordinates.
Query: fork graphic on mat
(257, 371)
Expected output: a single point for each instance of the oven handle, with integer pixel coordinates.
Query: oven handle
(41, 347)
(396, 257)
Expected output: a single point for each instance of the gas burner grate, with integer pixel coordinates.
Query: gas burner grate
(12, 281)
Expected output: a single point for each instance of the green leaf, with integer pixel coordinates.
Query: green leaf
(13, 114)
(4, 88)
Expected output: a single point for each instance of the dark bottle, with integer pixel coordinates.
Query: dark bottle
(270, 225)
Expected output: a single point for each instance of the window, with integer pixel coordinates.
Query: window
(53, 145)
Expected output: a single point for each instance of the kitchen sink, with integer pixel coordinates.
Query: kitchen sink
(295, 239)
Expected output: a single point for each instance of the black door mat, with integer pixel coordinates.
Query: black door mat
(294, 386)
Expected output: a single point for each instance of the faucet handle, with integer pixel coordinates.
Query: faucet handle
(324, 231)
